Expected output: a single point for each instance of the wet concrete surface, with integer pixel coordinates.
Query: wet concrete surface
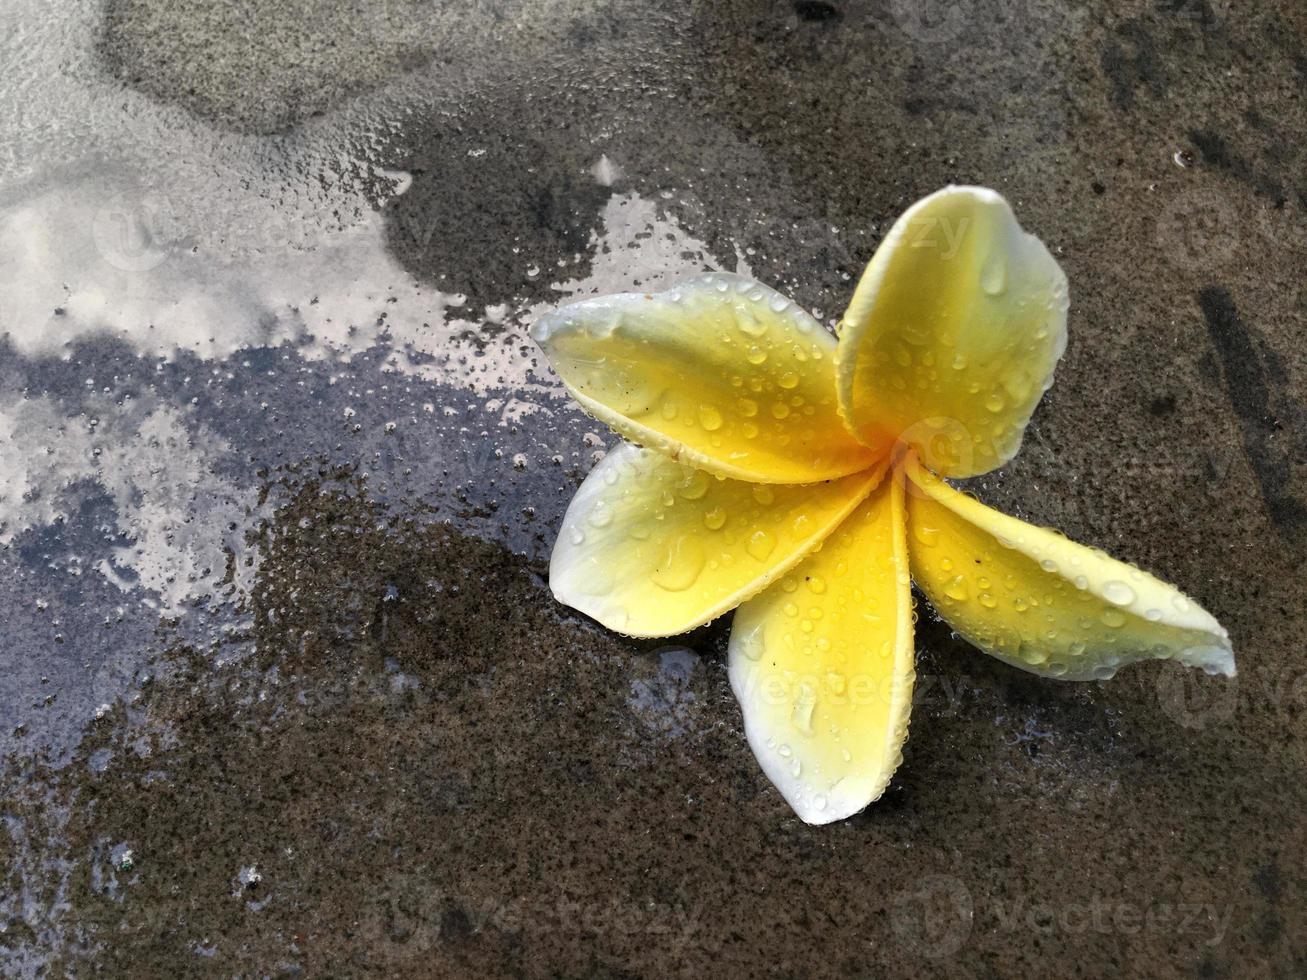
(284, 690)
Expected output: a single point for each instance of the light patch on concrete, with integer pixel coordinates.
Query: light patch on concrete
(180, 521)
(100, 257)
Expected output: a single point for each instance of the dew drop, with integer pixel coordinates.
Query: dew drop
(956, 588)
(927, 535)
(714, 519)
(1119, 593)
(681, 565)
(753, 643)
(1113, 617)
(760, 545)
(1031, 654)
(710, 418)
(749, 323)
(801, 715)
(993, 276)
(694, 486)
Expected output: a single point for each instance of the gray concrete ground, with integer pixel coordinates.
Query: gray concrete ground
(283, 689)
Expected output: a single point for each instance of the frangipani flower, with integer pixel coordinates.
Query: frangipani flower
(800, 480)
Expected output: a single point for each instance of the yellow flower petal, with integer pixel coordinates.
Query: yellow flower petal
(1041, 602)
(822, 665)
(720, 372)
(651, 547)
(952, 334)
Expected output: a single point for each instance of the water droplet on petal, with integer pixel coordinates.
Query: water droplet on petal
(801, 715)
(927, 535)
(993, 276)
(694, 486)
(710, 418)
(1031, 654)
(681, 564)
(1113, 617)
(760, 545)
(753, 643)
(749, 323)
(1119, 593)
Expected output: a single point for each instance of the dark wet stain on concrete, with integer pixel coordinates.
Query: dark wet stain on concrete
(1273, 456)
(449, 228)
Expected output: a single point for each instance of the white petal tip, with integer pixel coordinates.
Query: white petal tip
(1215, 660)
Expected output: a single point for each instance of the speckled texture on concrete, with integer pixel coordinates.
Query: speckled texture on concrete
(390, 753)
